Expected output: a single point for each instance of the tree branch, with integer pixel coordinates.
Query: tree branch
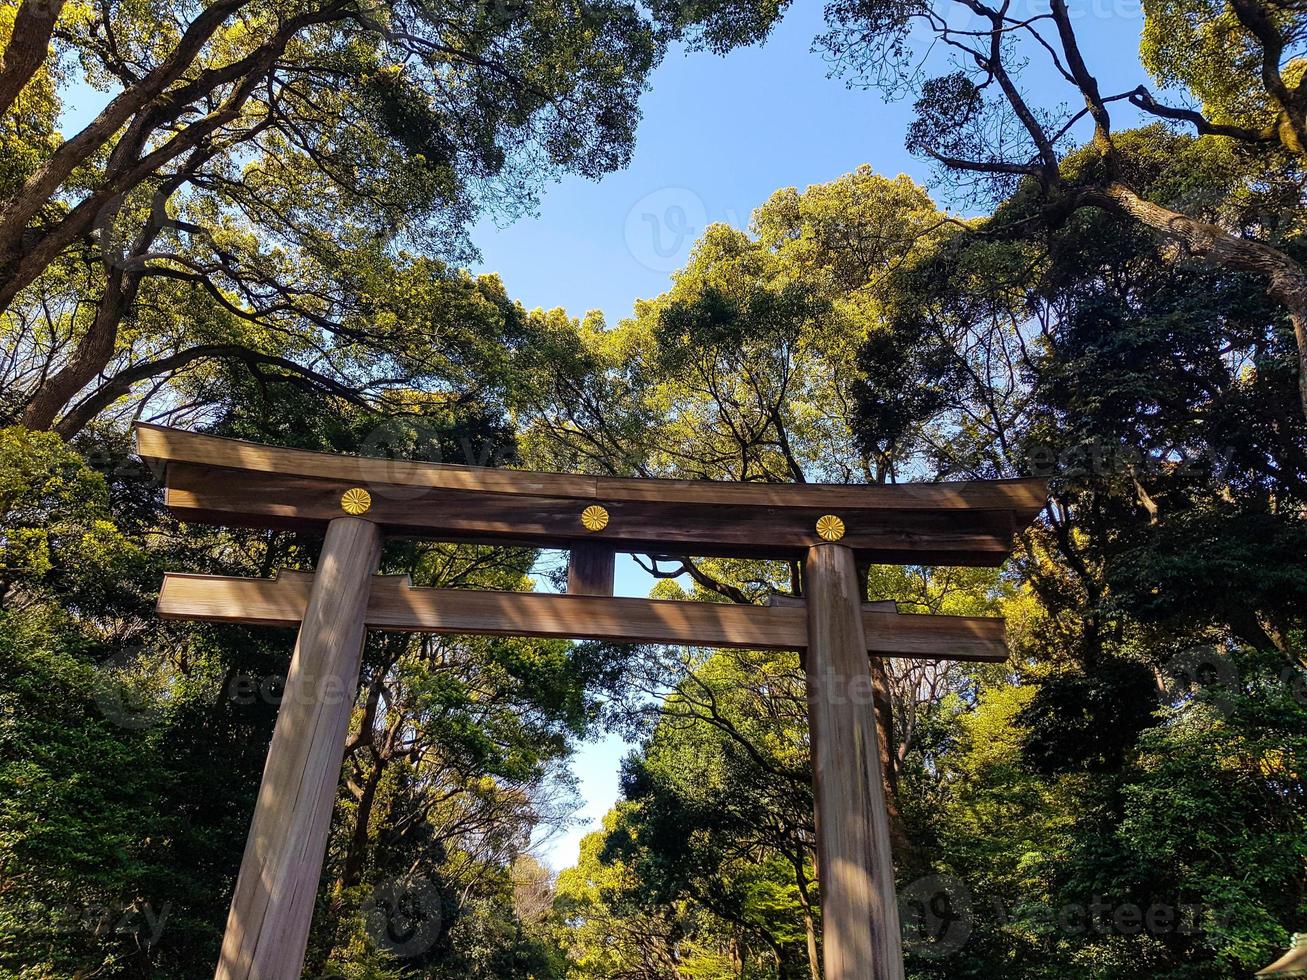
(121, 383)
(28, 46)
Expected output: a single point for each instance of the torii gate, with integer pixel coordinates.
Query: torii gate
(357, 501)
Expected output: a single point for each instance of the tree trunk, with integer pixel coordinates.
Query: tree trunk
(809, 927)
(29, 44)
(356, 852)
(1286, 280)
(883, 706)
(18, 211)
(89, 359)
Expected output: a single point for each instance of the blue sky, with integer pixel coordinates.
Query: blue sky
(718, 136)
(597, 764)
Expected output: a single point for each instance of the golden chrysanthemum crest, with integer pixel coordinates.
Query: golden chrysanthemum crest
(594, 518)
(355, 500)
(830, 527)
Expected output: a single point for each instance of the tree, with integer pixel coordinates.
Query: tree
(1124, 380)
(744, 370)
(244, 152)
(79, 786)
(455, 761)
(609, 932)
(415, 324)
(980, 122)
(721, 808)
(1162, 405)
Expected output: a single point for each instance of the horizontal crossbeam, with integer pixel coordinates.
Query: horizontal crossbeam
(396, 605)
(228, 481)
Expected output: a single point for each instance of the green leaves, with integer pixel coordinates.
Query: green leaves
(743, 369)
(1204, 47)
(56, 532)
(709, 849)
(317, 138)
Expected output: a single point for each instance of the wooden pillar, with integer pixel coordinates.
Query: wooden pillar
(268, 925)
(859, 907)
(590, 569)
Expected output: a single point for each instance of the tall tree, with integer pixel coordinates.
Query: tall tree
(1153, 616)
(244, 148)
(983, 122)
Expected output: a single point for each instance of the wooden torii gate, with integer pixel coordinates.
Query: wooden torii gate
(358, 501)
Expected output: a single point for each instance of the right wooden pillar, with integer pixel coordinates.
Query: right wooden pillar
(860, 918)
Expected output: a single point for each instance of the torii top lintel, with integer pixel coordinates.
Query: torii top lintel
(230, 481)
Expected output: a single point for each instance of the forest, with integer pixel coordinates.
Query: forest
(262, 228)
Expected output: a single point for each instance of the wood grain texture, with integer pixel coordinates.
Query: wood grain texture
(214, 495)
(268, 924)
(394, 605)
(860, 922)
(590, 569)
(878, 605)
(162, 445)
(228, 481)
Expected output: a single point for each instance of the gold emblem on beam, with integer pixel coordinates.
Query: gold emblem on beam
(830, 527)
(594, 518)
(355, 501)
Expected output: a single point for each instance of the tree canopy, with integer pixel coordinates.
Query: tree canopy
(259, 227)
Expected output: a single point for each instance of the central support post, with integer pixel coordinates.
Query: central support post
(268, 925)
(859, 906)
(590, 569)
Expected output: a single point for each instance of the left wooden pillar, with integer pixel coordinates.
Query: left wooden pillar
(268, 925)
